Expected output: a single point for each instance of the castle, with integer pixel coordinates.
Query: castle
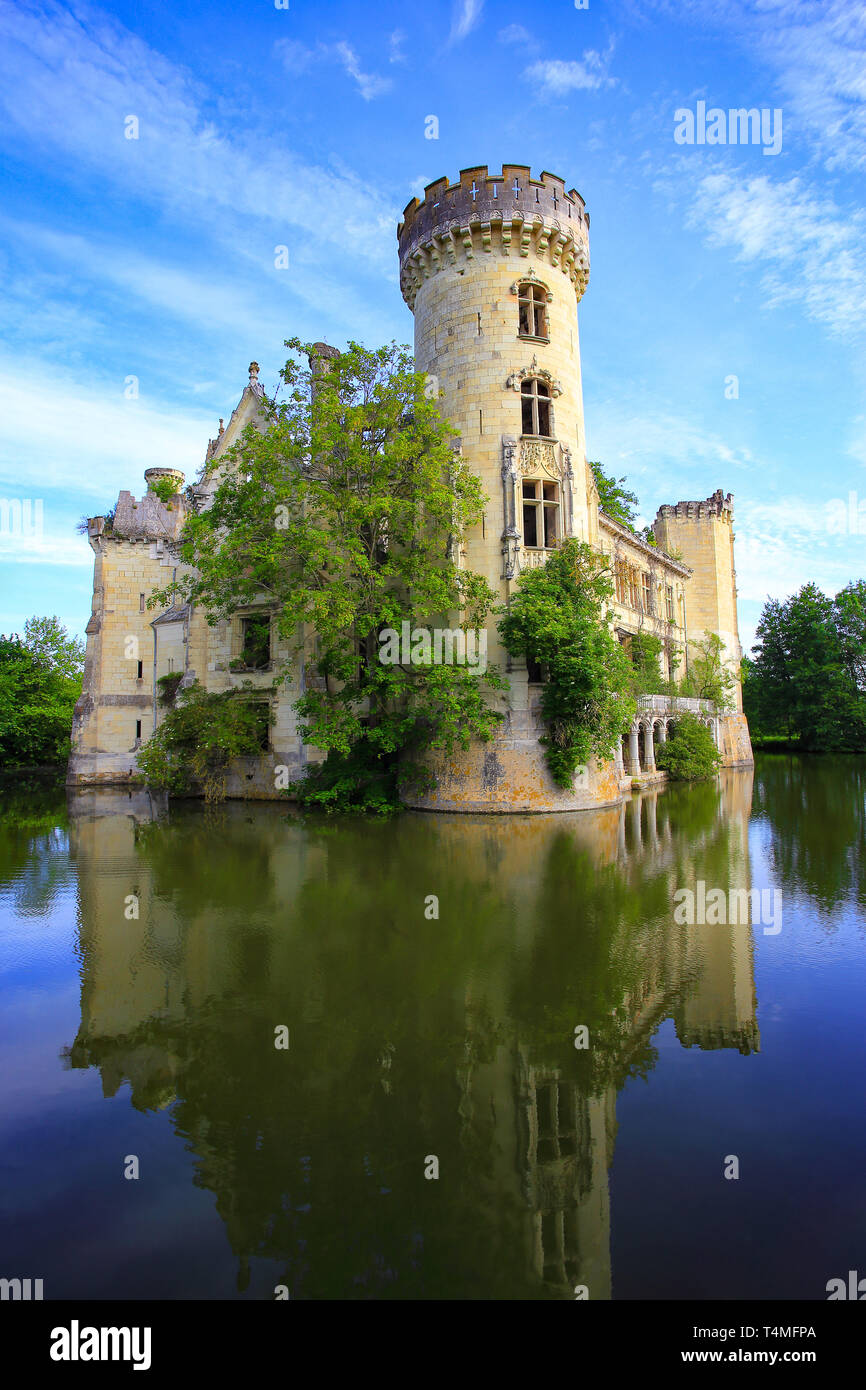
(493, 268)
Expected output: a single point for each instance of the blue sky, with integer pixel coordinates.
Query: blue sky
(259, 127)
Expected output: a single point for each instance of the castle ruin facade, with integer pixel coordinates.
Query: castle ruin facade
(493, 268)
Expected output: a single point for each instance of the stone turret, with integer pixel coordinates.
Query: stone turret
(503, 214)
(703, 533)
(319, 356)
(493, 267)
(150, 518)
(156, 475)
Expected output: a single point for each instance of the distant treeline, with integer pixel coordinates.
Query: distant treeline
(807, 679)
(40, 680)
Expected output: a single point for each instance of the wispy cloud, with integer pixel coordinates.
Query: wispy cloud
(811, 251)
(298, 58)
(633, 440)
(467, 14)
(84, 434)
(783, 545)
(369, 84)
(817, 53)
(57, 548)
(70, 115)
(515, 33)
(558, 76)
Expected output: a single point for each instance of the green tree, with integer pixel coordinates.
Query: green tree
(557, 619)
(40, 681)
(808, 674)
(645, 651)
(689, 755)
(709, 676)
(768, 684)
(346, 512)
(615, 500)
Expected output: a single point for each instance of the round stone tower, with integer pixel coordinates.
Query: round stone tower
(493, 268)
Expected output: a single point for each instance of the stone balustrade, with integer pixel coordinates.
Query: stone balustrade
(668, 704)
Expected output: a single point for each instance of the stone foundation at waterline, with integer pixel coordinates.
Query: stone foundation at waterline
(510, 774)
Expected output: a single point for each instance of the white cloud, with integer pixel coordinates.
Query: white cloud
(558, 76)
(515, 33)
(818, 55)
(69, 551)
(65, 88)
(369, 84)
(257, 300)
(297, 58)
(396, 41)
(467, 14)
(660, 449)
(63, 432)
(775, 556)
(812, 251)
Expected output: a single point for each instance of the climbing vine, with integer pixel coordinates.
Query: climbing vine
(557, 619)
(190, 751)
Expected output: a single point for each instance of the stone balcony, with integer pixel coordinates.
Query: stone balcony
(671, 704)
(656, 715)
(532, 558)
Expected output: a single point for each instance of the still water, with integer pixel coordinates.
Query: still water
(149, 958)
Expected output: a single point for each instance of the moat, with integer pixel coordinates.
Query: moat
(433, 978)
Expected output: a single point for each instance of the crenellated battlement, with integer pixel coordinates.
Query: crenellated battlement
(508, 214)
(718, 505)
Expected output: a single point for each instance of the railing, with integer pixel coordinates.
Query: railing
(532, 559)
(675, 702)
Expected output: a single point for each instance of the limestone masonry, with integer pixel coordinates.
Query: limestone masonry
(493, 268)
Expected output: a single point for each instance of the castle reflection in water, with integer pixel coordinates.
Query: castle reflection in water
(409, 1036)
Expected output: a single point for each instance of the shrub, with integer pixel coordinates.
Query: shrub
(168, 687)
(690, 755)
(358, 781)
(191, 749)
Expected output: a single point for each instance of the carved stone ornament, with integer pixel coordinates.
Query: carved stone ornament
(530, 278)
(516, 380)
(538, 456)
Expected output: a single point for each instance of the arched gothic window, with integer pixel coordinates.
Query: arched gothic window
(535, 407)
(532, 311)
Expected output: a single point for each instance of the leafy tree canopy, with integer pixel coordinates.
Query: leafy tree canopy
(709, 675)
(344, 516)
(807, 678)
(191, 750)
(614, 499)
(557, 619)
(40, 681)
